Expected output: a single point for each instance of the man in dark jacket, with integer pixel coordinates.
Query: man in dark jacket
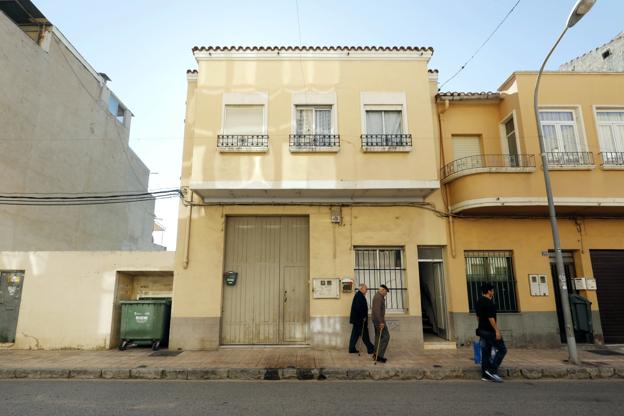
(359, 320)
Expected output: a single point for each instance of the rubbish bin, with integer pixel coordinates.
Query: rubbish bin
(582, 318)
(145, 322)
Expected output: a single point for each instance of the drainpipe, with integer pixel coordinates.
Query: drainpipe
(445, 190)
(187, 240)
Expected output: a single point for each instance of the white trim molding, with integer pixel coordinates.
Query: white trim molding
(246, 98)
(536, 202)
(314, 99)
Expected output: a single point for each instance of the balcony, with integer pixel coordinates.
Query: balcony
(251, 143)
(612, 160)
(386, 142)
(487, 164)
(314, 143)
(570, 160)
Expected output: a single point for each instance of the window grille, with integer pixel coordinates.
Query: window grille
(495, 267)
(376, 266)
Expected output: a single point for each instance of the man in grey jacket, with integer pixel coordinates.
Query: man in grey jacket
(382, 336)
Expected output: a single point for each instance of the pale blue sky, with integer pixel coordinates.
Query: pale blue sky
(145, 47)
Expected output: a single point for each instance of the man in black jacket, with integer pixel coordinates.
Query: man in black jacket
(359, 320)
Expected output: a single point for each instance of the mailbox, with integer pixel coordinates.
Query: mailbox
(347, 285)
(230, 278)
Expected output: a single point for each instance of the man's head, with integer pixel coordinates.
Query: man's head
(383, 290)
(363, 288)
(487, 290)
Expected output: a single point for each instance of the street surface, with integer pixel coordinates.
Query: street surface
(188, 398)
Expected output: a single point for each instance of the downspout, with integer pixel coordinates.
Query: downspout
(187, 240)
(445, 189)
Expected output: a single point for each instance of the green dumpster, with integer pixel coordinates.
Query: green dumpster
(582, 318)
(145, 322)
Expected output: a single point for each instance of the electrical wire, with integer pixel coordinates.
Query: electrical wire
(482, 45)
(93, 199)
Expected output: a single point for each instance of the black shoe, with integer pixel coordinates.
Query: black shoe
(354, 352)
(371, 352)
(382, 359)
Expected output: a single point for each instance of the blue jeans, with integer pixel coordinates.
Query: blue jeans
(489, 341)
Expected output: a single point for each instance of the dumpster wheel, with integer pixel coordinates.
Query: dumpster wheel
(155, 345)
(123, 345)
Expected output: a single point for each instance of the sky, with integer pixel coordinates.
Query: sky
(145, 48)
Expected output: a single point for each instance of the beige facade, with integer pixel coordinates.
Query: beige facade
(71, 299)
(63, 132)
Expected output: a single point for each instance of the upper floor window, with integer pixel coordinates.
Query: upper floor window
(562, 138)
(384, 120)
(611, 130)
(314, 120)
(243, 120)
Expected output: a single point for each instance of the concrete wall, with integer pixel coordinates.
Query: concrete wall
(593, 61)
(58, 136)
(68, 298)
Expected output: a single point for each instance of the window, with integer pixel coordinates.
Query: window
(510, 136)
(559, 130)
(243, 120)
(495, 267)
(376, 266)
(611, 135)
(465, 146)
(314, 120)
(384, 121)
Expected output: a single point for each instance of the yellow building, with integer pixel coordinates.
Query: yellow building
(310, 168)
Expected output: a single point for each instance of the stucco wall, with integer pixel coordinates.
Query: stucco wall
(68, 297)
(594, 60)
(58, 136)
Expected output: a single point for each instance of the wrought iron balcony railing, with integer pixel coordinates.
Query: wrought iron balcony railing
(241, 141)
(298, 141)
(487, 161)
(612, 158)
(570, 158)
(386, 140)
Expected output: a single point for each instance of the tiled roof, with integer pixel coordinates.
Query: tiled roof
(483, 95)
(312, 48)
(433, 71)
(191, 71)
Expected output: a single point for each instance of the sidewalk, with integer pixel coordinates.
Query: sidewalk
(302, 363)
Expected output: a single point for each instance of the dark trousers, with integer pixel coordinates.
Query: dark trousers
(383, 338)
(489, 341)
(361, 329)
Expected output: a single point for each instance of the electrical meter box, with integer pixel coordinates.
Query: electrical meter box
(347, 285)
(326, 288)
(230, 278)
(538, 285)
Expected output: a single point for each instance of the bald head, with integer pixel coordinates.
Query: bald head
(363, 288)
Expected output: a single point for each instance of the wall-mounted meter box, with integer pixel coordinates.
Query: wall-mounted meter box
(347, 285)
(590, 282)
(580, 283)
(230, 278)
(326, 288)
(538, 285)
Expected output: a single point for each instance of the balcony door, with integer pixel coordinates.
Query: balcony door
(511, 141)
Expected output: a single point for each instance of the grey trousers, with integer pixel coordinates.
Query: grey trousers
(381, 341)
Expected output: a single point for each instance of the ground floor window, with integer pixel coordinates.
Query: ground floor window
(495, 267)
(384, 265)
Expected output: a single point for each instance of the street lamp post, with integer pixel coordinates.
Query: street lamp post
(580, 9)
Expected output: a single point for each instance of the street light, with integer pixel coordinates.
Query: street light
(580, 9)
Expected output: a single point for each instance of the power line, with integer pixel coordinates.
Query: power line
(93, 199)
(482, 45)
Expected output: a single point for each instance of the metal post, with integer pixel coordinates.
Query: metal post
(563, 287)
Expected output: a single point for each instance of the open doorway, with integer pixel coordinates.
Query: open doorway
(433, 294)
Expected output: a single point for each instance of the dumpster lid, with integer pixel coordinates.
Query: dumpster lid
(144, 301)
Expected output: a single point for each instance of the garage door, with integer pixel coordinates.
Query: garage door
(608, 266)
(269, 302)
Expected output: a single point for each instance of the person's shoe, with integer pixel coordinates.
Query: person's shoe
(371, 351)
(494, 377)
(354, 352)
(381, 359)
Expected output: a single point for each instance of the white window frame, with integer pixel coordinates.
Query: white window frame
(314, 109)
(384, 109)
(314, 99)
(374, 100)
(503, 133)
(577, 123)
(246, 99)
(605, 109)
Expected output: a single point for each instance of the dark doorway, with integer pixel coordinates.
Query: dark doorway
(608, 267)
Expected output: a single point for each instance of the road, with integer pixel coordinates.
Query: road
(188, 398)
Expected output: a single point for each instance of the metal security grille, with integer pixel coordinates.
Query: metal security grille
(376, 266)
(493, 267)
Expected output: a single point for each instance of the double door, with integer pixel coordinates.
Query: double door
(268, 304)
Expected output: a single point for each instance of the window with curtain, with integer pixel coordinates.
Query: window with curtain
(314, 120)
(243, 120)
(380, 121)
(611, 130)
(560, 131)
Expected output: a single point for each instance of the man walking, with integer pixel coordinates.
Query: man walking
(490, 335)
(382, 336)
(359, 320)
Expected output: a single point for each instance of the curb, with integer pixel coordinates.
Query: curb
(379, 373)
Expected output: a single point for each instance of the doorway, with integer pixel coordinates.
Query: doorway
(432, 293)
(268, 302)
(570, 274)
(11, 283)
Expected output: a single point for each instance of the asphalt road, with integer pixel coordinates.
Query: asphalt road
(187, 398)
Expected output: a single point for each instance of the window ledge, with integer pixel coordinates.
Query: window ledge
(314, 149)
(398, 149)
(474, 171)
(571, 167)
(612, 167)
(244, 149)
